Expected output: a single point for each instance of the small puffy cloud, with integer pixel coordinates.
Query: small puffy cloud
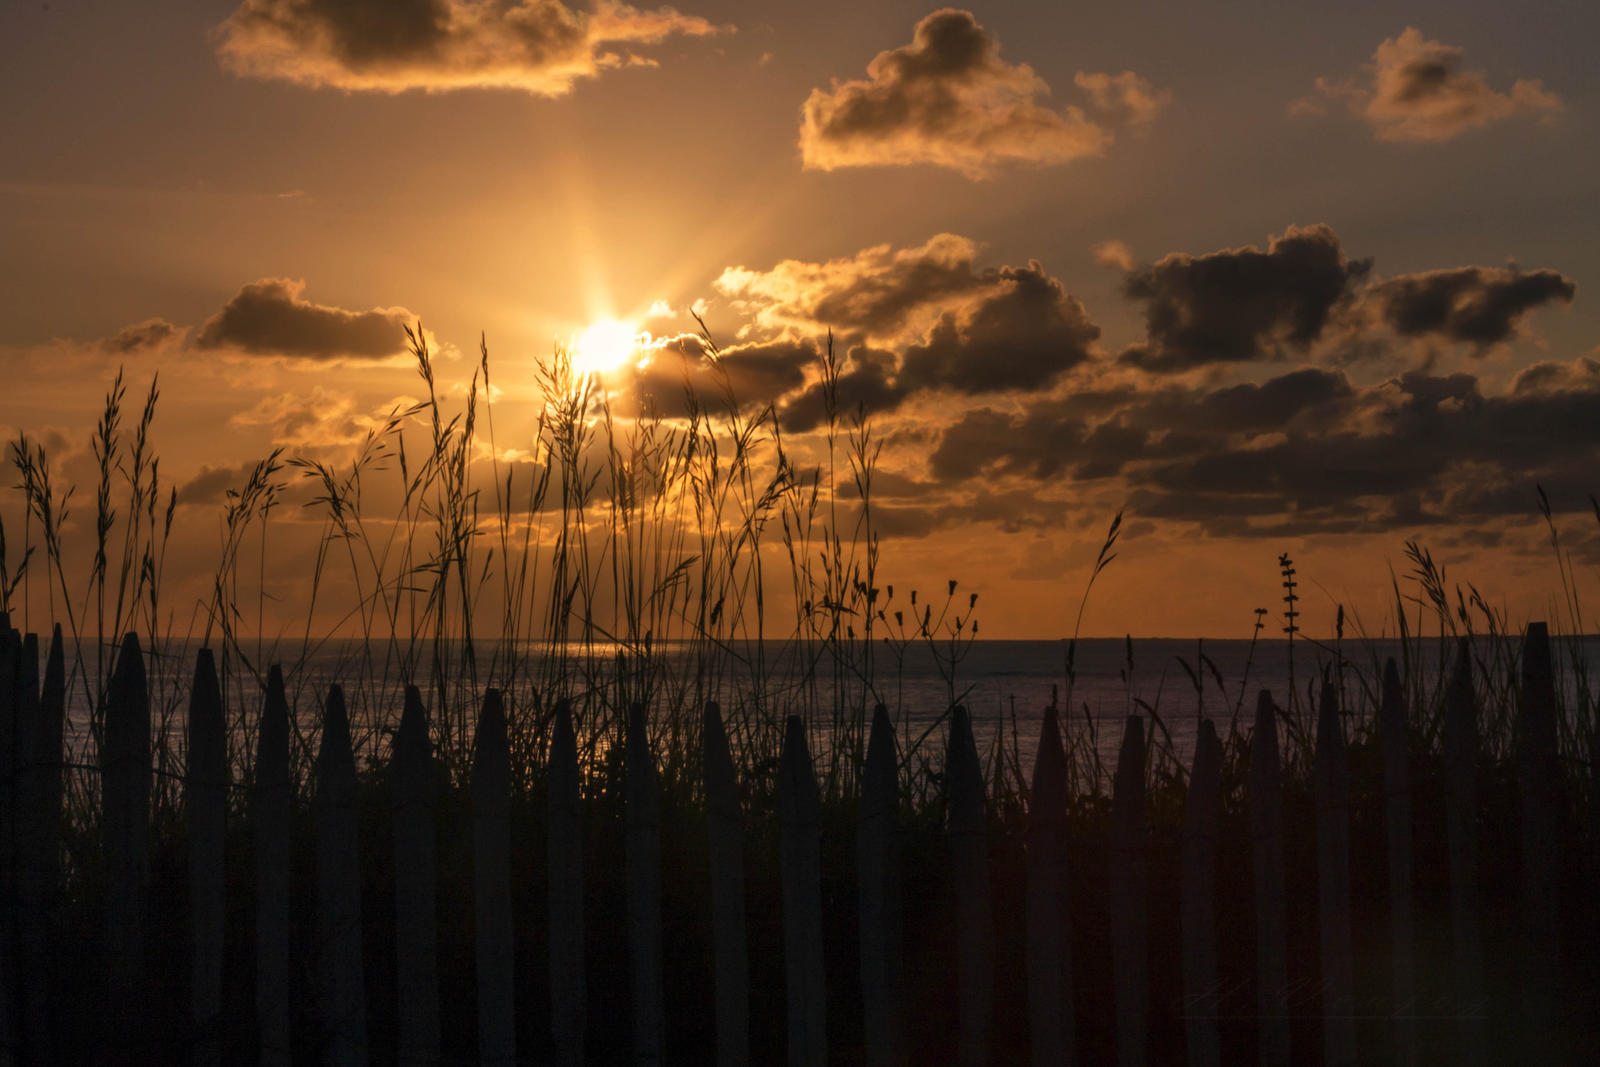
(140, 337)
(1113, 254)
(537, 46)
(1125, 98)
(948, 99)
(1480, 306)
(1241, 304)
(270, 318)
(1420, 91)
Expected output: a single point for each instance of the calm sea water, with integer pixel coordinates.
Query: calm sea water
(1006, 685)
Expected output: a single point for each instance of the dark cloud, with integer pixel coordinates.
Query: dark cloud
(1241, 304)
(750, 375)
(948, 99)
(1023, 337)
(538, 46)
(879, 293)
(269, 318)
(863, 385)
(140, 337)
(1480, 306)
(1420, 91)
(924, 319)
(1307, 451)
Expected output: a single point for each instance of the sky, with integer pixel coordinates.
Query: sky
(1267, 279)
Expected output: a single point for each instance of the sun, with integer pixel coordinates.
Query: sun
(606, 345)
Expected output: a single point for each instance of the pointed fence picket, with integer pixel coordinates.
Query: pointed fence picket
(725, 834)
(273, 808)
(1397, 816)
(1266, 833)
(491, 884)
(1461, 828)
(1050, 1014)
(1331, 782)
(125, 790)
(642, 863)
(878, 848)
(800, 860)
(564, 858)
(1198, 901)
(206, 798)
(1129, 881)
(341, 983)
(969, 846)
(1537, 773)
(414, 825)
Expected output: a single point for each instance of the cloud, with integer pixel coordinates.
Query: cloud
(752, 375)
(880, 293)
(1305, 452)
(1241, 304)
(1113, 254)
(1481, 306)
(1023, 335)
(946, 99)
(536, 46)
(922, 319)
(319, 419)
(140, 337)
(1125, 98)
(269, 318)
(1420, 92)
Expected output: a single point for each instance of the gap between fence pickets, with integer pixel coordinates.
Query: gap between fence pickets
(32, 715)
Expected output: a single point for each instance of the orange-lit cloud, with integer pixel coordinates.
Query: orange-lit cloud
(922, 319)
(1126, 98)
(948, 99)
(270, 318)
(1477, 306)
(1419, 91)
(537, 46)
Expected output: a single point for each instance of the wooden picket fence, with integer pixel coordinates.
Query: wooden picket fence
(31, 718)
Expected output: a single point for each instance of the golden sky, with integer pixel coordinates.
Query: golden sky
(1269, 281)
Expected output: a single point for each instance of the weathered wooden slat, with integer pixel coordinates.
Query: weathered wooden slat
(415, 828)
(564, 852)
(1461, 828)
(1198, 901)
(800, 861)
(273, 799)
(969, 845)
(206, 801)
(342, 1000)
(878, 855)
(1129, 882)
(1266, 833)
(125, 794)
(642, 795)
(491, 883)
(1538, 771)
(730, 951)
(1051, 1023)
(1332, 785)
(1397, 808)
